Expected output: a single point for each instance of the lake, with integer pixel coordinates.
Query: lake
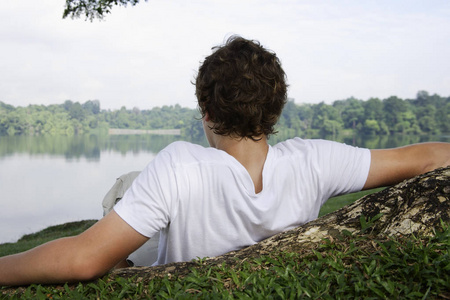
(50, 180)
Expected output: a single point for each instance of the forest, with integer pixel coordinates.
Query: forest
(426, 114)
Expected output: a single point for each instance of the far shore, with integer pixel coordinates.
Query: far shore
(117, 131)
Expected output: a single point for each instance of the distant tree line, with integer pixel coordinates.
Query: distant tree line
(71, 118)
(425, 114)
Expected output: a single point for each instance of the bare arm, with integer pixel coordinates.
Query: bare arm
(390, 166)
(83, 257)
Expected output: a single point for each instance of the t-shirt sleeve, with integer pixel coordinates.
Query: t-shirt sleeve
(343, 168)
(148, 204)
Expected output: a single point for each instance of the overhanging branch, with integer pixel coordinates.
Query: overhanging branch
(93, 9)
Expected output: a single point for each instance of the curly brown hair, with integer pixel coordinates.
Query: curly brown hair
(242, 87)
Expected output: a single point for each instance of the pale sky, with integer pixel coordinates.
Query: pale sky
(147, 55)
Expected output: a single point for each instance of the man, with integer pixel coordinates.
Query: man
(208, 201)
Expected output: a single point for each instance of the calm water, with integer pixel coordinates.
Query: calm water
(52, 180)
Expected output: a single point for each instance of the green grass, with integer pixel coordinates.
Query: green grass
(350, 267)
(51, 233)
(356, 266)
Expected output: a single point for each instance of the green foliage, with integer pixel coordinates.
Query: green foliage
(366, 224)
(73, 118)
(425, 114)
(357, 266)
(66, 119)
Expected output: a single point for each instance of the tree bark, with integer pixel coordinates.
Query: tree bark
(415, 206)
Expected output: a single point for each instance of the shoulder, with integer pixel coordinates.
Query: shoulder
(340, 168)
(186, 152)
(180, 146)
(321, 151)
(298, 145)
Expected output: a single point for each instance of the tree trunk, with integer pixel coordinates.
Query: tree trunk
(415, 206)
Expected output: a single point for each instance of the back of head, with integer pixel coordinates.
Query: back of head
(242, 87)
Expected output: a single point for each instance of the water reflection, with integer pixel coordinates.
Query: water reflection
(85, 146)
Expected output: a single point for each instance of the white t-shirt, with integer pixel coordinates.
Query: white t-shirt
(204, 202)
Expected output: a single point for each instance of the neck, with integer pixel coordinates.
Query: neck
(242, 148)
(251, 154)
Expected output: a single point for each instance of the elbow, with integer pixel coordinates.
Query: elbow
(427, 156)
(429, 167)
(89, 275)
(439, 156)
(435, 163)
(87, 271)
